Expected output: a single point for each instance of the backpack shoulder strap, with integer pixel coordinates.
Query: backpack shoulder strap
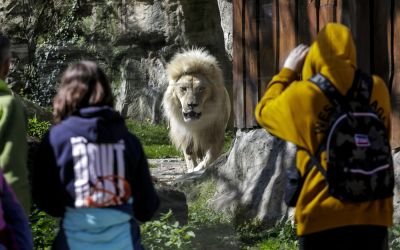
(314, 162)
(330, 91)
(362, 87)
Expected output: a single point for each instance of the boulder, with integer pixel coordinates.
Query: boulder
(251, 183)
(396, 198)
(225, 10)
(143, 82)
(174, 200)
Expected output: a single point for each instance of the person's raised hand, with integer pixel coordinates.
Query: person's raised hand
(295, 59)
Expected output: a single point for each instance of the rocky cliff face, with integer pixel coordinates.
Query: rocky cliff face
(131, 39)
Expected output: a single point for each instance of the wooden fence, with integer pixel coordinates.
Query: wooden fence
(265, 31)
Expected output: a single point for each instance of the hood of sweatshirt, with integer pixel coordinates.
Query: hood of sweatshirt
(97, 124)
(333, 54)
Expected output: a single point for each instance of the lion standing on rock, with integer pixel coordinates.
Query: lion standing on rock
(197, 107)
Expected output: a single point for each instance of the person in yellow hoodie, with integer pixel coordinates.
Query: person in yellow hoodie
(297, 111)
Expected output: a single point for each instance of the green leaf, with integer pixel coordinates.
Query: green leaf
(191, 234)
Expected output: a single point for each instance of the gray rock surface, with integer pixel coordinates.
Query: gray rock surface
(167, 170)
(225, 10)
(164, 172)
(252, 181)
(396, 199)
(174, 200)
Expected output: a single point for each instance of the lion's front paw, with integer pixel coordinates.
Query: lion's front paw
(200, 167)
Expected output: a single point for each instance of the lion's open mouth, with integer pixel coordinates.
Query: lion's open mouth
(191, 115)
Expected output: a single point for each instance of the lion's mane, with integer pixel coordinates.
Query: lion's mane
(209, 131)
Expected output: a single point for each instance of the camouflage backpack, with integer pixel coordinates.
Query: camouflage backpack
(359, 160)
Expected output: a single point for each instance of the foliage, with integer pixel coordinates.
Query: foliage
(149, 134)
(229, 137)
(214, 230)
(78, 32)
(107, 20)
(50, 44)
(281, 236)
(394, 237)
(200, 214)
(252, 231)
(37, 128)
(166, 233)
(44, 229)
(161, 151)
(285, 237)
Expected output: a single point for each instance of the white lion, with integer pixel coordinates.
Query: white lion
(197, 107)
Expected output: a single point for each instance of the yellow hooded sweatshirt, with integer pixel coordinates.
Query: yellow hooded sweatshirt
(297, 111)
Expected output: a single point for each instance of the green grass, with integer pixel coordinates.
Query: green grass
(166, 233)
(44, 228)
(154, 138)
(213, 230)
(229, 136)
(161, 151)
(37, 128)
(275, 244)
(255, 235)
(199, 212)
(156, 142)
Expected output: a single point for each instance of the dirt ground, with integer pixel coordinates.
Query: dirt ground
(167, 170)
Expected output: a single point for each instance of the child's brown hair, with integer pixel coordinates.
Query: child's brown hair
(83, 84)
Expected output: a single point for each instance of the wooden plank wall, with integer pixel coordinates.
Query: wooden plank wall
(394, 73)
(265, 31)
(237, 67)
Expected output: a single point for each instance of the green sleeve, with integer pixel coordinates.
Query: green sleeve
(13, 149)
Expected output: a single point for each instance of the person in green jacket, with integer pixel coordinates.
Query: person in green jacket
(13, 143)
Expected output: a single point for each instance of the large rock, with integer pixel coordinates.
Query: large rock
(252, 181)
(142, 86)
(225, 10)
(396, 199)
(174, 200)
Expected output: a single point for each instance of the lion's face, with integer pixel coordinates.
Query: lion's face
(192, 92)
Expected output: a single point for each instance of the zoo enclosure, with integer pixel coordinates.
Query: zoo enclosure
(265, 31)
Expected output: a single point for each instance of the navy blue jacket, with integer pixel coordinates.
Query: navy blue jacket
(91, 160)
